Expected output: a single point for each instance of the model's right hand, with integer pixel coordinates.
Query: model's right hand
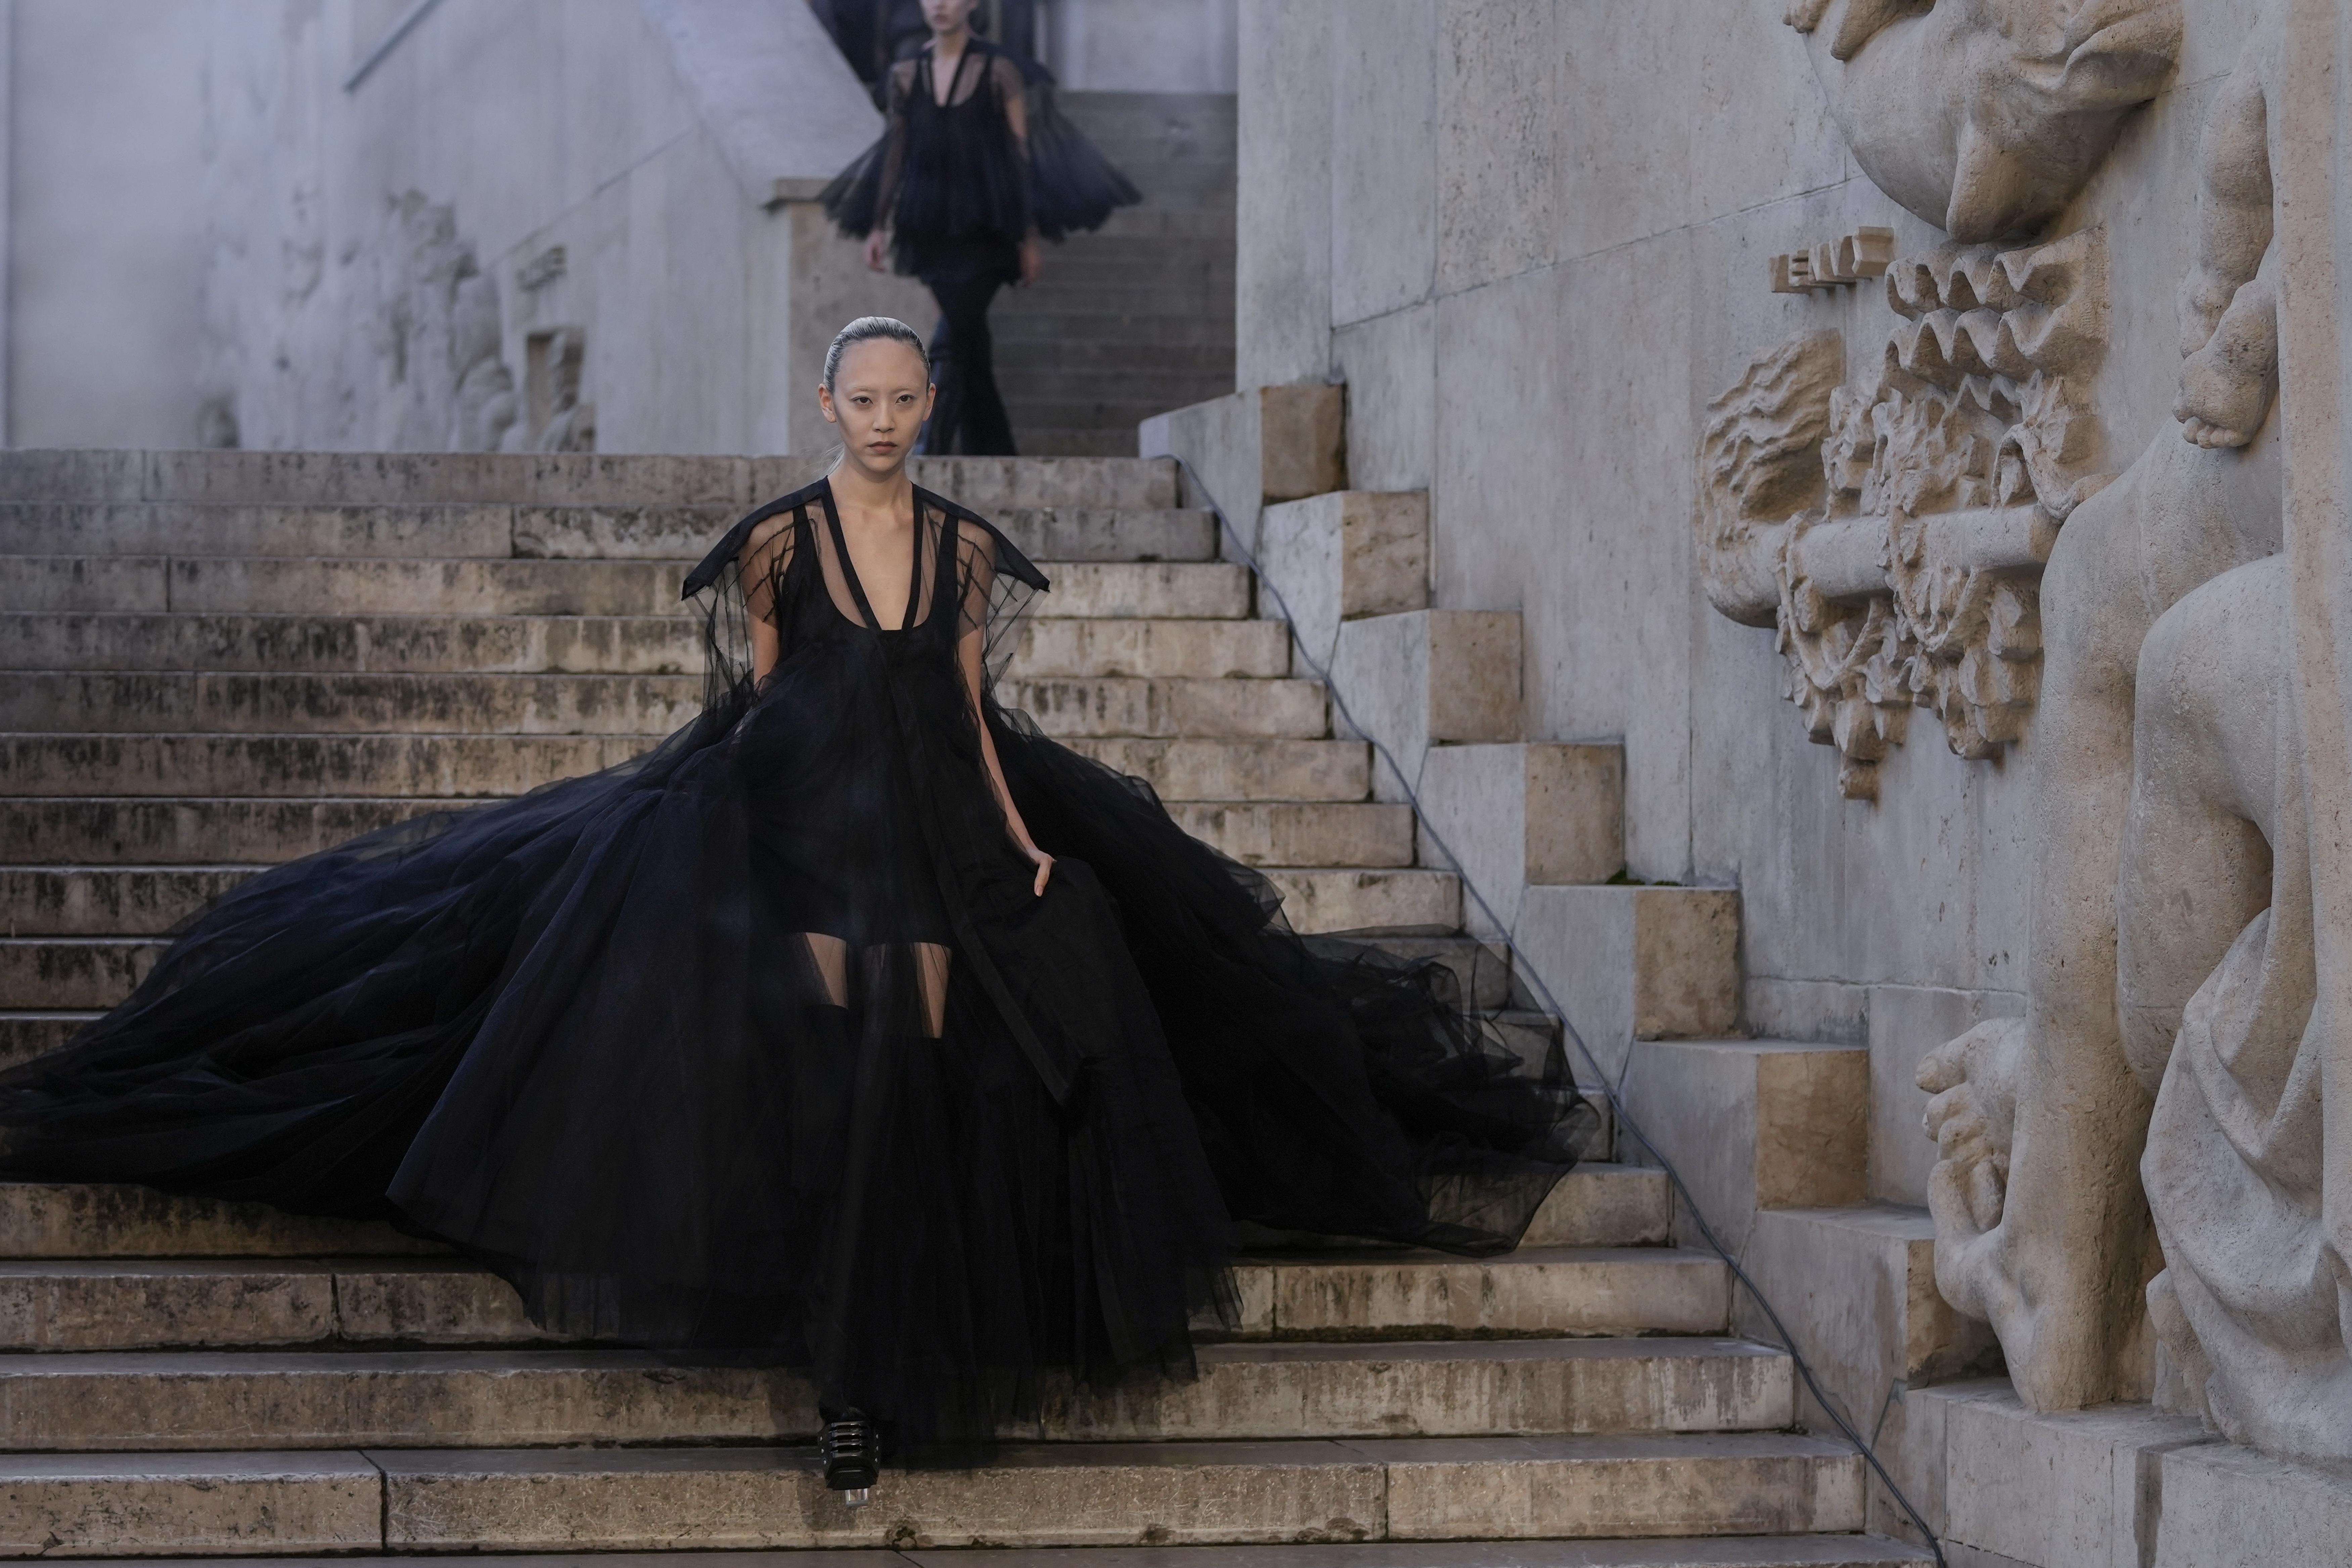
(1045, 864)
(877, 243)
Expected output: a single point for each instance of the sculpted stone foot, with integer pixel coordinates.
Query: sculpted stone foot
(2227, 385)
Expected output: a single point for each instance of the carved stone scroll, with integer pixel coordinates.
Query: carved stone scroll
(1901, 529)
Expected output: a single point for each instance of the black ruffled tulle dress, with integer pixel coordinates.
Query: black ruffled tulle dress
(954, 186)
(653, 1043)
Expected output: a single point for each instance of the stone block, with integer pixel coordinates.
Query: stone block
(67, 1306)
(1174, 591)
(1534, 812)
(1754, 1124)
(395, 644)
(1384, 181)
(1271, 443)
(429, 1303)
(2228, 1507)
(63, 972)
(127, 582)
(991, 485)
(188, 832)
(1633, 962)
(670, 1499)
(239, 703)
(26, 1034)
(318, 585)
(1119, 705)
(1724, 1485)
(1343, 555)
(1428, 677)
(1339, 901)
(1200, 650)
(1281, 834)
(1602, 1204)
(87, 900)
(1218, 770)
(1051, 534)
(1532, 1290)
(137, 1505)
(2079, 1488)
(1276, 1391)
(1856, 1286)
(1389, 363)
(165, 527)
(441, 766)
(54, 1220)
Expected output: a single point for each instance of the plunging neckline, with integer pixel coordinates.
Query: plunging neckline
(856, 586)
(955, 76)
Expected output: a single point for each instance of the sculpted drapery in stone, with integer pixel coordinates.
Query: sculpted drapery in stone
(2190, 1001)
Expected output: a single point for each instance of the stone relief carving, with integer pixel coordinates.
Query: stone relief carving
(441, 383)
(1984, 117)
(1836, 263)
(1904, 573)
(2187, 1007)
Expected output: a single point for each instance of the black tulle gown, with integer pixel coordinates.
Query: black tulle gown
(653, 1043)
(960, 191)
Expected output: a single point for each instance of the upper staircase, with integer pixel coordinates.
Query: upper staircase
(216, 661)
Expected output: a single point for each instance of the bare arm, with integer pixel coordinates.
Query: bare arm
(894, 164)
(971, 651)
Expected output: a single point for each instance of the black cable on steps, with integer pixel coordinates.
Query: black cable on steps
(1522, 964)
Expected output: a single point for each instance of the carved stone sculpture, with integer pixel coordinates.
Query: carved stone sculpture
(1984, 117)
(441, 383)
(1894, 535)
(2190, 1012)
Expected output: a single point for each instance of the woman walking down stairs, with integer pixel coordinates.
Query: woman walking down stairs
(217, 661)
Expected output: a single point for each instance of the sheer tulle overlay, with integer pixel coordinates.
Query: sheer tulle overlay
(761, 1045)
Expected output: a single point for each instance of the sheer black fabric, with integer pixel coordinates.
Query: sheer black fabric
(761, 1045)
(952, 181)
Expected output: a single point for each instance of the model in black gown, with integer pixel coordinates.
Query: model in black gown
(782, 1041)
(965, 181)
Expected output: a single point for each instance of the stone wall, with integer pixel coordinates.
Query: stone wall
(618, 190)
(1535, 241)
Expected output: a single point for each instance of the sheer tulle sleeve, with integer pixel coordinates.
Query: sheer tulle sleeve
(864, 197)
(1071, 185)
(735, 589)
(995, 585)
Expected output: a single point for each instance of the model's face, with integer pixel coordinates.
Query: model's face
(880, 397)
(947, 15)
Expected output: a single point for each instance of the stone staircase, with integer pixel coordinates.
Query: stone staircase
(218, 661)
(1137, 316)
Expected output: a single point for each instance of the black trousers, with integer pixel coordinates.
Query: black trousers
(969, 417)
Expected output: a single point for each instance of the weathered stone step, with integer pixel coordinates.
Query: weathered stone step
(1336, 900)
(130, 831)
(311, 1398)
(495, 532)
(1602, 1205)
(178, 528)
(292, 584)
(1283, 833)
(1702, 1552)
(65, 974)
(1159, 1494)
(592, 480)
(303, 766)
(25, 1035)
(1200, 650)
(617, 645)
(108, 900)
(108, 1304)
(1122, 705)
(1595, 1206)
(1166, 590)
(67, 1220)
(257, 703)
(1229, 770)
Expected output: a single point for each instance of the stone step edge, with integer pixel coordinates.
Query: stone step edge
(1852, 1550)
(1045, 1495)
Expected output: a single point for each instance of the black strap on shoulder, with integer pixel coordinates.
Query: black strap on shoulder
(1009, 557)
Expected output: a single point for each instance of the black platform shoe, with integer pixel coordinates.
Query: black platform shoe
(852, 1452)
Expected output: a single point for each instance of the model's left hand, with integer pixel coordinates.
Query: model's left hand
(1045, 864)
(1033, 261)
